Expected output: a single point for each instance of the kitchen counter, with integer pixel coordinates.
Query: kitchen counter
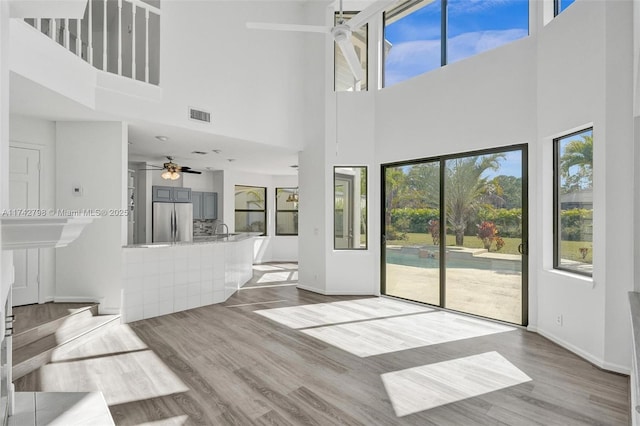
(200, 240)
(159, 279)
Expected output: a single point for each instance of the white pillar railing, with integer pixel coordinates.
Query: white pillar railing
(104, 21)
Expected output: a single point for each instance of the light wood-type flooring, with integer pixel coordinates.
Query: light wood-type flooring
(227, 364)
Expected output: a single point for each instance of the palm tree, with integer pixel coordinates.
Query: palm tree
(578, 153)
(465, 187)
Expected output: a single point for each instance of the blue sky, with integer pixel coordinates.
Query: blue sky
(474, 26)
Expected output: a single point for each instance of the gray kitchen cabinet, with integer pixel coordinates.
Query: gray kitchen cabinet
(210, 205)
(170, 194)
(205, 205)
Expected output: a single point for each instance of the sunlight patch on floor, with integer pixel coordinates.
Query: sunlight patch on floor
(429, 386)
(387, 335)
(340, 312)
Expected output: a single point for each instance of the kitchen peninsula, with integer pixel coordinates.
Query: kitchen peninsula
(162, 278)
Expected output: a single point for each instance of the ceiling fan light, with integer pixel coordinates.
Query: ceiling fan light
(175, 175)
(166, 174)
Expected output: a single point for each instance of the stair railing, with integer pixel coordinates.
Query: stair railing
(99, 39)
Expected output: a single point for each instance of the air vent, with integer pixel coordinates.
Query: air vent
(199, 115)
(199, 152)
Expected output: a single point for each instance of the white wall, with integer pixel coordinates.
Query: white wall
(6, 259)
(34, 133)
(93, 155)
(314, 180)
(575, 72)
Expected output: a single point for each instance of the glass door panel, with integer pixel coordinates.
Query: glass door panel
(483, 206)
(412, 232)
(479, 204)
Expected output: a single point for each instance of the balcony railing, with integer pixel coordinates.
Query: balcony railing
(117, 36)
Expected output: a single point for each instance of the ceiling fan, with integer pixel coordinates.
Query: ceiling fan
(171, 169)
(341, 33)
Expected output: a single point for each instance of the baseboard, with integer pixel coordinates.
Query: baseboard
(108, 311)
(312, 289)
(598, 362)
(349, 293)
(76, 299)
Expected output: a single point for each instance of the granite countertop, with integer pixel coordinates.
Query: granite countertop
(217, 239)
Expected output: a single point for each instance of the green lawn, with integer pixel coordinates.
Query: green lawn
(570, 249)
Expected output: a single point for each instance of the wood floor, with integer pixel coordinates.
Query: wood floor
(226, 364)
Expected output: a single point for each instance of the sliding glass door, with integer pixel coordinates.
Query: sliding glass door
(412, 231)
(455, 232)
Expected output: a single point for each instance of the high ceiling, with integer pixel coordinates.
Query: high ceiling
(31, 99)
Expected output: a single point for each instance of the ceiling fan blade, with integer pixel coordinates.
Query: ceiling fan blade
(288, 27)
(367, 13)
(195, 172)
(184, 168)
(350, 55)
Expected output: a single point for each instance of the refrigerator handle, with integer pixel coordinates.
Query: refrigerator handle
(173, 226)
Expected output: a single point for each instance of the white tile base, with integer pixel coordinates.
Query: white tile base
(429, 386)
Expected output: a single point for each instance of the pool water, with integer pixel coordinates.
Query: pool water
(409, 257)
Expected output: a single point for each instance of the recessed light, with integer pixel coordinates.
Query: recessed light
(231, 160)
(199, 152)
(217, 151)
(295, 166)
(209, 168)
(162, 138)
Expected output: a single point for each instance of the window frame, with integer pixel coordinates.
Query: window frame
(277, 210)
(366, 213)
(557, 237)
(408, 7)
(264, 211)
(351, 14)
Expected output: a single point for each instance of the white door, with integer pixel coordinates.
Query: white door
(24, 193)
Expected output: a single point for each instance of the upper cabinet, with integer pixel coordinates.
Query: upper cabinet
(205, 205)
(169, 194)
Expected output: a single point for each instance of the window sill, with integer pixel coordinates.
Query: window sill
(577, 277)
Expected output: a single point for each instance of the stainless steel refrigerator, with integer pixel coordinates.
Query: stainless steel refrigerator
(172, 222)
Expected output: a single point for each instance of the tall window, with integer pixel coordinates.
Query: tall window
(286, 211)
(422, 35)
(251, 209)
(560, 5)
(573, 202)
(343, 77)
(350, 208)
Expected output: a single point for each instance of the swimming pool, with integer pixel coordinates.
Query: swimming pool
(409, 256)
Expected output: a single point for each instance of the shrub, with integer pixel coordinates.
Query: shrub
(434, 229)
(487, 232)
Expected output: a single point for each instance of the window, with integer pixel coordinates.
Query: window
(422, 35)
(251, 209)
(573, 202)
(475, 27)
(350, 208)
(561, 5)
(286, 211)
(343, 77)
(412, 40)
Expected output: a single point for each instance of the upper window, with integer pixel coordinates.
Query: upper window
(286, 211)
(343, 77)
(251, 209)
(560, 5)
(573, 202)
(421, 35)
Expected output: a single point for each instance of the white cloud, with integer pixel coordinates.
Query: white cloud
(408, 59)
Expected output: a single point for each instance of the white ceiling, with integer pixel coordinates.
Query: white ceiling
(31, 99)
